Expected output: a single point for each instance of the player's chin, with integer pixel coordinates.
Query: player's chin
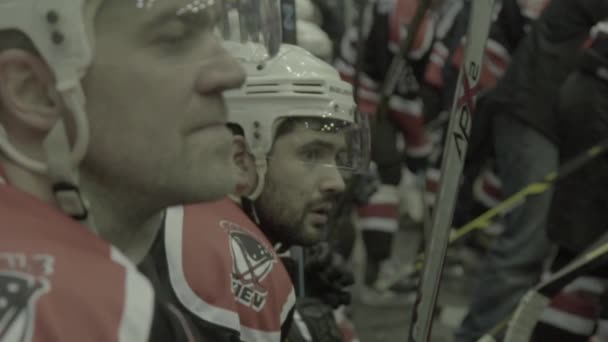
(311, 234)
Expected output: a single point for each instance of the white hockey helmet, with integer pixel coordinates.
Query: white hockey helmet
(62, 33)
(297, 85)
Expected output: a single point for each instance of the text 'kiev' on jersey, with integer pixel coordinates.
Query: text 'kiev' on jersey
(225, 271)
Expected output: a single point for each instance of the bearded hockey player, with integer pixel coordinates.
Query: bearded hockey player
(302, 136)
(73, 78)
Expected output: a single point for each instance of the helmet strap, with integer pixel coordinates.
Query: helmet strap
(261, 166)
(63, 171)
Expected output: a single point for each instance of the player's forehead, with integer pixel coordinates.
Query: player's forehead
(304, 135)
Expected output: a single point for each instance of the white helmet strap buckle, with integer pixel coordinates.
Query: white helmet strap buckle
(63, 174)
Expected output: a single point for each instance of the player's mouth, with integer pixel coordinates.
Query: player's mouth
(319, 214)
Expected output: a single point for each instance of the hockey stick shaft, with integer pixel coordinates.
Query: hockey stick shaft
(288, 21)
(451, 169)
(360, 48)
(400, 60)
(288, 25)
(484, 220)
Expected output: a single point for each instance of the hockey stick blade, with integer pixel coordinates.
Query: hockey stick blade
(525, 317)
(453, 161)
(484, 220)
(531, 306)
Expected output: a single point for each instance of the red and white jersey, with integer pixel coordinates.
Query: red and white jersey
(384, 27)
(224, 270)
(60, 282)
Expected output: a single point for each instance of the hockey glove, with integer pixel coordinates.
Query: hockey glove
(327, 276)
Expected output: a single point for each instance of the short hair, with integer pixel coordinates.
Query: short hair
(236, 129)
(288, 125)
(285, 126)
(15, 39)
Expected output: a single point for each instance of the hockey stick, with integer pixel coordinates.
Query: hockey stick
(453, 161)
(360, 48)
(344, 202)
(288, 25)
(484, 220)
(395, 70)
(521, 324)
(288, 21)
(400, 60)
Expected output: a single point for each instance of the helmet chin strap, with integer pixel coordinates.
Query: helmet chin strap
(261, 166)
(249, 200)
(62, 168)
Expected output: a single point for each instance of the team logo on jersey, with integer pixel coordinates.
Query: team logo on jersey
(19, 293)
(252, 262)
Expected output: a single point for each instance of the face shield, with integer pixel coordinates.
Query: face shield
(337, 139)
(181, 26)
(254, 24)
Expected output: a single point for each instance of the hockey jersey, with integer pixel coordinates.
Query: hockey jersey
(384, 27)
(511, 21)
(226, 273)
(543, 60)
(60, 282)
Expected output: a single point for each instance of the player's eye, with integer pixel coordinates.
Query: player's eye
(311, 154)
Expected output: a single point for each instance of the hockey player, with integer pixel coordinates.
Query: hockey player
(302, 136)
(525, 146)
(152, 74)
(384, 27)
(481, 188)
(577, 215)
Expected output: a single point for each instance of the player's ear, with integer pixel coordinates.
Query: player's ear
(240, 154)
(29, 100)
(245, 164)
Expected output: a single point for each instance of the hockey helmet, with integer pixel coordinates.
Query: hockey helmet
(295, 86)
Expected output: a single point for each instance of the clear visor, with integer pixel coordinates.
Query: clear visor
(324, 142)
(256, 24)
(180, 32)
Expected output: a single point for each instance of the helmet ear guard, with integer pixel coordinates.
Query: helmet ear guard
(57, 30)
(259, 146)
